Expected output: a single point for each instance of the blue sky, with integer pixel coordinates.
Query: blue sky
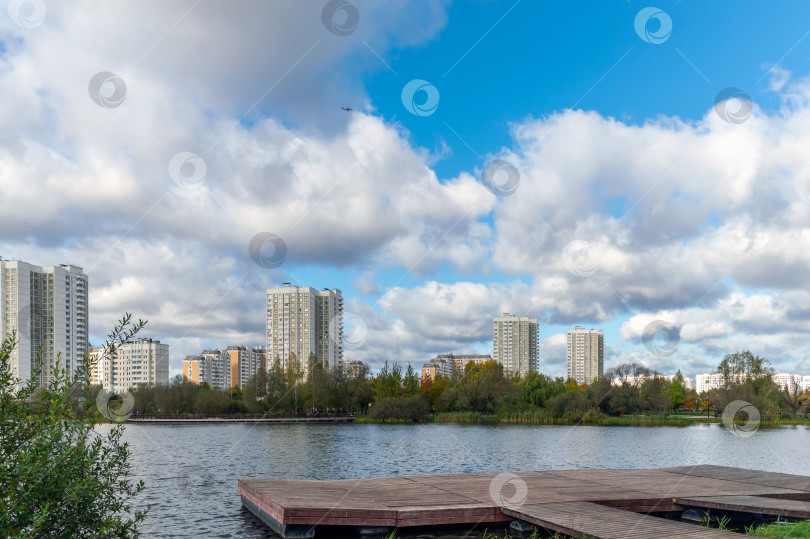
(636, 201)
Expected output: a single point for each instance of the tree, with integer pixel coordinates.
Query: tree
(254, 395)
(627, 379)
(481, 385)
(536, 389)
(388, 383)
(59, 477)
(676, 391)
(792, 396)
(748, 378)
(744, 367)
(410, 384)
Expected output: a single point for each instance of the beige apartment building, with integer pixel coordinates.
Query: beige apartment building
(47, 307)
(451, 365)
(244, 363)
(585, 355)
(140, 361)
(301, 321)
(515, 343)
(211, 366)
(354, 370)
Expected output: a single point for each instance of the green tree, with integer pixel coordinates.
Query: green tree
(254, 396)
(410, 384)
(536, 389)
(59, 477)
(388, 383)
(677, 391)
(481, 386)
(628, 378)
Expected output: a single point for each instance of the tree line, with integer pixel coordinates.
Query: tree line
(483, 388)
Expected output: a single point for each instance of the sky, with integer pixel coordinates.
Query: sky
(641, 169)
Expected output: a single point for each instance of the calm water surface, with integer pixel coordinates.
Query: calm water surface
(190, 471)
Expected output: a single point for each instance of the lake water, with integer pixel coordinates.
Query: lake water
(190, 471)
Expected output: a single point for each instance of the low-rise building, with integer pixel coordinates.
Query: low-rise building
(354, 370)
(451, 365)
(687, 381)
(709, 381)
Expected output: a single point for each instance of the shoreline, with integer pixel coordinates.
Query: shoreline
(480, 419)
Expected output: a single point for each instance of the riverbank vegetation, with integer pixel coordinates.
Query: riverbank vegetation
(782, 529)
(629, 394)
(59, 477)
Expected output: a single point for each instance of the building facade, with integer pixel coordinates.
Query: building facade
(244, 363)
(708, 381)
(451, 365)
(354, 370)
(585, 354)
(515, 343)
(47, 307)
(139, 361)
(632, 380)
(303, 321)
(211, 366)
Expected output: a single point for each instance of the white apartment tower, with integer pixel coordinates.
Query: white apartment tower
(302, 320)
(47, 307)
(586, 355)
(140, 361)
(515, 343)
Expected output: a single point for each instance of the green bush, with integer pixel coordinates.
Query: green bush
(59, 477)
(400, 409)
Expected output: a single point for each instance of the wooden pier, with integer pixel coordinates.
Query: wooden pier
(580, 503)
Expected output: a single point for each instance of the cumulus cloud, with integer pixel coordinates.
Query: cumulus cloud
(701, 223)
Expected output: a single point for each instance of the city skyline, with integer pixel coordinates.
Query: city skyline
(588, 174)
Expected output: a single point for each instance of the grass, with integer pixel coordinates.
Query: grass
(782, 529)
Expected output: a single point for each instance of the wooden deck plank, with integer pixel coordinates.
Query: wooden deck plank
(565, 496)
(757, 504)
(581, 519)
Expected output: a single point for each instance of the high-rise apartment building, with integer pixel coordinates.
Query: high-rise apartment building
(245, 363)
(586, 355)
(47, 307)
(515, 343)
(211, 366)
(140, 361)
(303, 321)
